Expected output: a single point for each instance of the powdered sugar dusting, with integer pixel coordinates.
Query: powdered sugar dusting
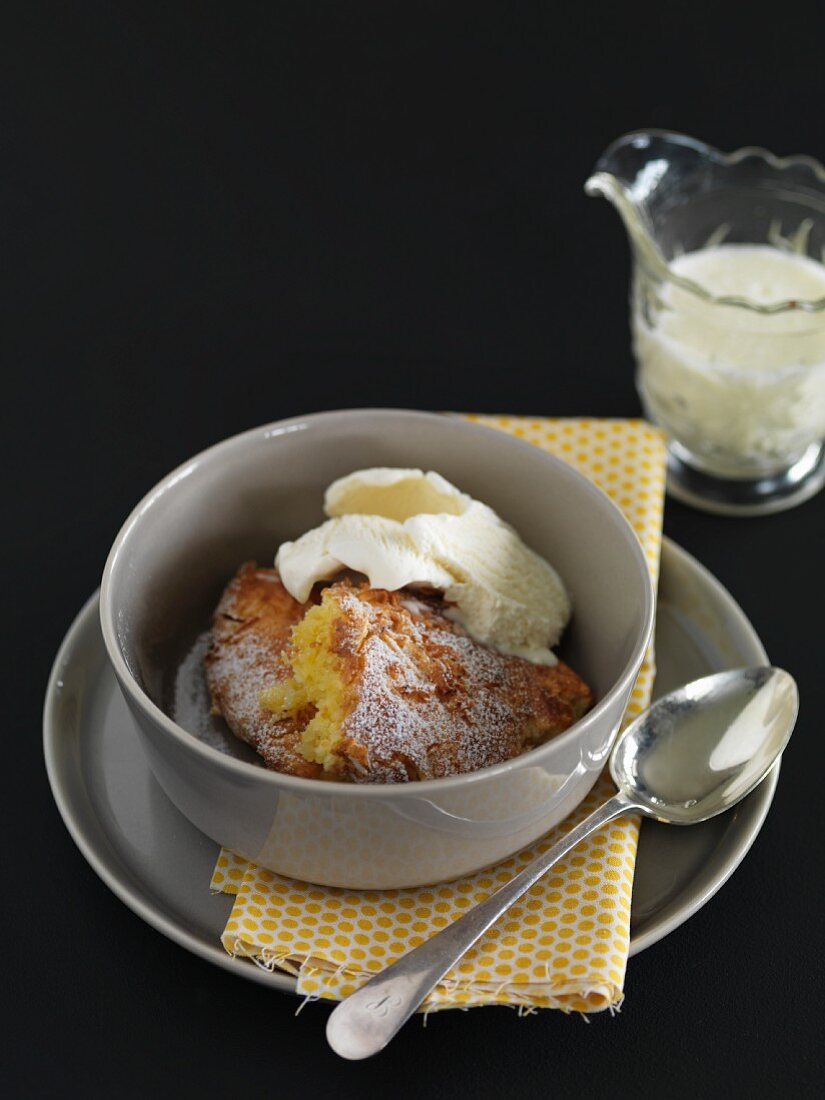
(251, 626)
(430, 700)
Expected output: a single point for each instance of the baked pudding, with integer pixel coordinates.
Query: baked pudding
(373, 686)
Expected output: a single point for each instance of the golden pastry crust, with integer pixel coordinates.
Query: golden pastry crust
(419, 698)
(250, 628)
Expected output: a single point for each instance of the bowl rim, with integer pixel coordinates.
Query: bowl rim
(298, 784)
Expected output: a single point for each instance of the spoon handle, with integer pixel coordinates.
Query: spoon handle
(365, 1022)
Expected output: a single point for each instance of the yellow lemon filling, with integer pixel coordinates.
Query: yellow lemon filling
(316, 680)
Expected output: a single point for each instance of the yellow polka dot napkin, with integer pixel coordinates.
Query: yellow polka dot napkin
(565, 943)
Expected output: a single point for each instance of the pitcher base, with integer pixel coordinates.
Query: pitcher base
(746, 496)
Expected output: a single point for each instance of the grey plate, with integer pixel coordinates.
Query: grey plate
(160, 865)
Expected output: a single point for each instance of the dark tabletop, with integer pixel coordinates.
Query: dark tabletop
(215, 215)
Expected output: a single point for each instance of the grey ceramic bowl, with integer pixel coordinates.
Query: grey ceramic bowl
(239, 500)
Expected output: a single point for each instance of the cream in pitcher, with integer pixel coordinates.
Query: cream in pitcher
(744, 395)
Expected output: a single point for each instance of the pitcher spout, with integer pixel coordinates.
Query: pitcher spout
(641, 173)
(641, 162)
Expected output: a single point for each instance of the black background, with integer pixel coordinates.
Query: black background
(214, 215)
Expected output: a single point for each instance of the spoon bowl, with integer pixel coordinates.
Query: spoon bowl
(695, 753)
(704, 747)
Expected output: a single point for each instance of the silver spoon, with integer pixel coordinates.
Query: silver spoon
(695, 753)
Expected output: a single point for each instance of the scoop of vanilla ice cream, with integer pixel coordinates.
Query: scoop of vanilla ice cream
(406, 528)
(503, 592)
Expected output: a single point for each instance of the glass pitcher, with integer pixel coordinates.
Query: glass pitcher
(727, 314)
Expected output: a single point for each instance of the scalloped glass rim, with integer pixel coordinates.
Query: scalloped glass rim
(604, 183)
